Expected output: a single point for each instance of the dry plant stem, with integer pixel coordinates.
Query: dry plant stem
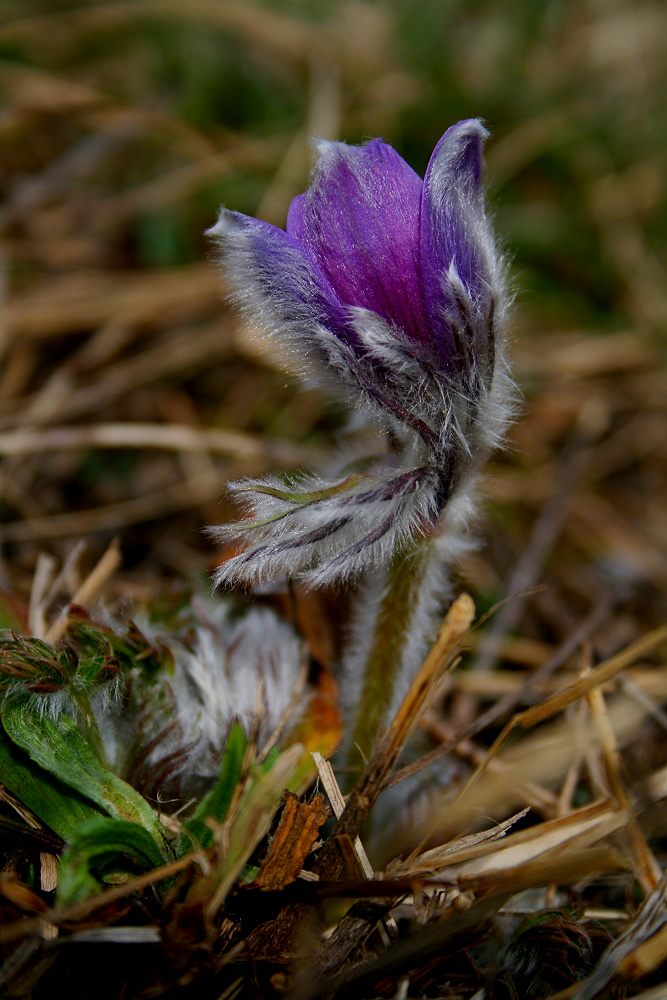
(84, 910)
(572, 777)
(171, 437)
(67, 579)
(634, 690)
(648, 870)
(40, 584)
(537, 798)
(331, 954)
(392, 631)
(440, 659)
(330, 785)
(48, 880)
(580, 689)
(521, 689)
(90, 587)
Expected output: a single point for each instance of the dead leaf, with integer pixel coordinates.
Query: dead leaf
(292, 842)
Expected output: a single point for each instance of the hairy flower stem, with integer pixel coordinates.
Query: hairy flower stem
(398, 620)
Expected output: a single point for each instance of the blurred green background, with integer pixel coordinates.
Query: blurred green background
(124, 125)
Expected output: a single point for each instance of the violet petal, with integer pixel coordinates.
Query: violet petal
(277, 281)
(360, 220)
(456, 244)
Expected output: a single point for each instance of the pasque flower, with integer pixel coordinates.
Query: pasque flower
(388, 291)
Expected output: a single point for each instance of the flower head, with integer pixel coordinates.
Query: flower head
(388, 290)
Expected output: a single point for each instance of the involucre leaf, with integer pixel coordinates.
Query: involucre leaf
(104, 851)
(58, 747)
(54, 802)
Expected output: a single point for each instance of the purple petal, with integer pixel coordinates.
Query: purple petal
(278, 282)
(360, 220)
(455, 237)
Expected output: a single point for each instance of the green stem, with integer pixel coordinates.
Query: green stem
(393, 629)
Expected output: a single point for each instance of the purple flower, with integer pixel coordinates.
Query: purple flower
(387, 290)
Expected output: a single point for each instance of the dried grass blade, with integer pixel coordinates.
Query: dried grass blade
(599, 675)
(562, 699)
(172, 437)
(542, 757)
(649, 871)
(335, 796)
(440, 659)
(90, 587)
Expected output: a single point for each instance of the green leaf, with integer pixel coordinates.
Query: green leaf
(55, 803)
(270, 759)
(252, 820)
(58, 747)
(216, 804)
(104, 851)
